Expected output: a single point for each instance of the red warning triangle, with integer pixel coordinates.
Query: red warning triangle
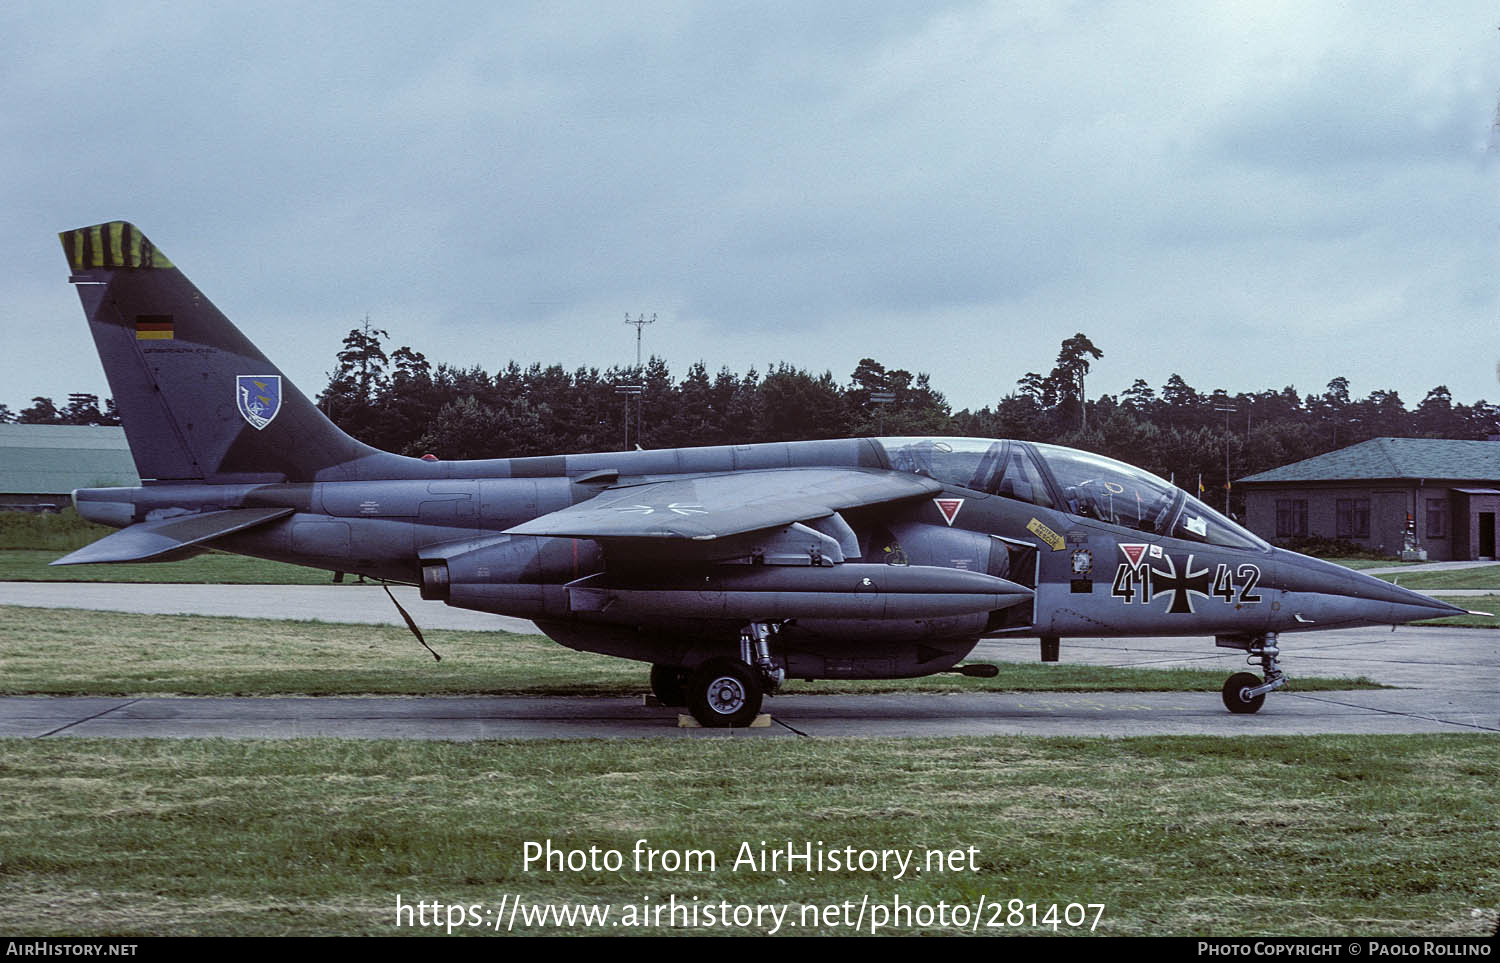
(1134, 552)
(949, 507)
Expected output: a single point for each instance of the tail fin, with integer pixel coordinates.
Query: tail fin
(198, 401)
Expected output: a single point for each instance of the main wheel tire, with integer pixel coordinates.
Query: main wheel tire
(1234, 699)
(723, 693)
(669, 685)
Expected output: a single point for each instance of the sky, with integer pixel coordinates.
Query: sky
(1250, 195)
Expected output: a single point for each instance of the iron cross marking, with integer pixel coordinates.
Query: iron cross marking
(1181, 586)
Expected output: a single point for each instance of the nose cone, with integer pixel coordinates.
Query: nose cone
(1324, 594)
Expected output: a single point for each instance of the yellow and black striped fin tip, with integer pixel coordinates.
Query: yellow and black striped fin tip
(113, 244)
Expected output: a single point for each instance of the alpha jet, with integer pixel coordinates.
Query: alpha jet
(728, 569)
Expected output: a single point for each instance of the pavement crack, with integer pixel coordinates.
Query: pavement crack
(1394, 712)
(77, 722)
(799, 732)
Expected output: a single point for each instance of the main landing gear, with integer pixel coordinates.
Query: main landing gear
(669, 685)
(722, 692)
(1245, 692)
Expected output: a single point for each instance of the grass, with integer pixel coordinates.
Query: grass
(1481, 577)
(215, 568)
(54, 531)
(30, 541)
(1358, 563)
(1477, 603)
(1176, 836)
(1200, 836)
(79, 652)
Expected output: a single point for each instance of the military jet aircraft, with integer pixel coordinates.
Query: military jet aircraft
(729, 569)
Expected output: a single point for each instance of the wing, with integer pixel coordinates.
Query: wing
(692, 516)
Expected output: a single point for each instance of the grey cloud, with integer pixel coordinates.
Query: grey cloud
(499, 179)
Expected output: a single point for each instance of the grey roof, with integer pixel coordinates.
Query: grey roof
(1433, 458)
(55, 459)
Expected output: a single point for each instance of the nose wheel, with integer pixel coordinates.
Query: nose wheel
(1235, 690)
(1245, 692)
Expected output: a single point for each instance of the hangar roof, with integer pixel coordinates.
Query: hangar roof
(55, 459)
(1385, 458)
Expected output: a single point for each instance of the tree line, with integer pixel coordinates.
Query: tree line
(401, 402)
(81, 409)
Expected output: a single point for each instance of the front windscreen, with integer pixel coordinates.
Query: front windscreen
(1097, 487)
(1197, 522)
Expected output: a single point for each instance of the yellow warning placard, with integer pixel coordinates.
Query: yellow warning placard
(1047, 535)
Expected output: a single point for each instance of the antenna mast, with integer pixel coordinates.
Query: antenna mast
(640, 322)
(639, 388)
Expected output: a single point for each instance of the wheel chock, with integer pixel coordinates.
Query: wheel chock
(685, 721)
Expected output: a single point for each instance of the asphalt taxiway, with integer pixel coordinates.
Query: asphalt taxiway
(359, 603)
(1448, 679)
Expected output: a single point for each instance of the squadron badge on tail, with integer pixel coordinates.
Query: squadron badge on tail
(258, 397)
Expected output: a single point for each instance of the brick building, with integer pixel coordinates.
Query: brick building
(1447, 492)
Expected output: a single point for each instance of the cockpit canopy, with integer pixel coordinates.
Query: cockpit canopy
(1068, 480)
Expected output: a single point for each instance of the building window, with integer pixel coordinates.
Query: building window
(1437, 518)
(1353, 517)
(1291, 518)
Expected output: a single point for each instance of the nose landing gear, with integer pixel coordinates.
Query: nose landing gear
(1245, 692)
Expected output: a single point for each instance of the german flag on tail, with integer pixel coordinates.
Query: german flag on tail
(154, 327)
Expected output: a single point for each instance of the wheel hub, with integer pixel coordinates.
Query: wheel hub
(725, 695)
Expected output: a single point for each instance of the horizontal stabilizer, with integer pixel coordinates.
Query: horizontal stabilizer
(156, 541)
